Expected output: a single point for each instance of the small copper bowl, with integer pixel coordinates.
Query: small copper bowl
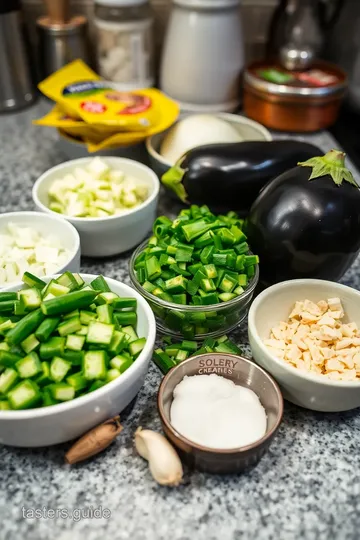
(243, 372)
(296, 106)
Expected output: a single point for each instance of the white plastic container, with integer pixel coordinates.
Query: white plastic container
(203, 55)
(124, 30)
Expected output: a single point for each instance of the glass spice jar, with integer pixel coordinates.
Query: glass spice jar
(125, 49)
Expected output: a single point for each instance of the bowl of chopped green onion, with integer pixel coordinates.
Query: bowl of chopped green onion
(197, 273)
(74, 351)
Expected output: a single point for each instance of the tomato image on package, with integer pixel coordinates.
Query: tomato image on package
(101, 99)
(93, 107)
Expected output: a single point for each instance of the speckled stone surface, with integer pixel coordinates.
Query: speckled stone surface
(306, 486)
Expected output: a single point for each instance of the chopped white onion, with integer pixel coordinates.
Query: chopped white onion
(96, 191)
(24, 249)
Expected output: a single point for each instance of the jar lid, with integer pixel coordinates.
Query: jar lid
(74, 26)
(120, 3)
(321, 79)
(207, 4)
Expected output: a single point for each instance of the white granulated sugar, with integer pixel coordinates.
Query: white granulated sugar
(212, 411)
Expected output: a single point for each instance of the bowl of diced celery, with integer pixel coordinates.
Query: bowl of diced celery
(197, 273)
(110, 201)
(37, 243)
(74, 351)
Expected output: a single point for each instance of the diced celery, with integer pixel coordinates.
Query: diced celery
(94, 366)
(30, 298)
(77, 381)
(112, 374)
(69, 326)
(87, 317)
(100, 333)
(29, 366)
(137, 346)
(121, 363)
(30, 343)
(24, 396)
(130, 332)
(62, 391)
(105, 313)
(7, 379)
(59, 368)
(74, 342)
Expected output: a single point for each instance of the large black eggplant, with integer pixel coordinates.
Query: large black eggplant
(306, 222)
(230, 176)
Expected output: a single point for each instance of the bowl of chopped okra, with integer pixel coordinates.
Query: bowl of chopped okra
(74, 351)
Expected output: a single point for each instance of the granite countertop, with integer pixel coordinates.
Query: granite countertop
(306, 486)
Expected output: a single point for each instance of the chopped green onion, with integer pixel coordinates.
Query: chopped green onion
(198, 259)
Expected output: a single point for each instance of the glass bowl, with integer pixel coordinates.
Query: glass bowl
(195, 322)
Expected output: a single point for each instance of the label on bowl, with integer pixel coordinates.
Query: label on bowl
(217, 365)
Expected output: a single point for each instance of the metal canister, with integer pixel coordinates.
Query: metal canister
(16, 87)
(60, 44)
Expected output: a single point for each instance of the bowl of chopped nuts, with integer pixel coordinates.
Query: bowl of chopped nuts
(306, 333)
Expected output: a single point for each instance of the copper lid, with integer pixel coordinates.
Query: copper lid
(321, 79)
(72, 25)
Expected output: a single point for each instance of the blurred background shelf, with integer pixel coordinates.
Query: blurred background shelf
(256, 15)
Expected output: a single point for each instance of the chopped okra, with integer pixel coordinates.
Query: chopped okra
(63, 339)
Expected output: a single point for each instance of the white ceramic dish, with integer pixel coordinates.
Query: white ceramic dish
(247, 129)
(49, 225)
(65, 421)
(103, 237)
(272, 306)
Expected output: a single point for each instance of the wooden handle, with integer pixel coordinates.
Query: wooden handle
(58, 11)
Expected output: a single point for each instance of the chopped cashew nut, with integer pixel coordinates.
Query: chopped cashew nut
(315, 340)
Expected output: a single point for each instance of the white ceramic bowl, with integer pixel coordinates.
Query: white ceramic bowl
(272, 306)
(247, 129)
(103, 237)
(65, 421)
(49, 225)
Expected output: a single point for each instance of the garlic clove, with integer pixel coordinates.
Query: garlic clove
(164, 463)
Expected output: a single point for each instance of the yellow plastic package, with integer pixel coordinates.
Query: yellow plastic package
(82, 94)
(97, 139)
(121, 139)
(75, 127)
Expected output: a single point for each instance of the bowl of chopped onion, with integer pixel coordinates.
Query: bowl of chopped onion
(305, 333)
(37, 243)
(111, 201)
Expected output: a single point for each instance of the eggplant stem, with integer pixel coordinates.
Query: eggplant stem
(172, 179)
(332, 164)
